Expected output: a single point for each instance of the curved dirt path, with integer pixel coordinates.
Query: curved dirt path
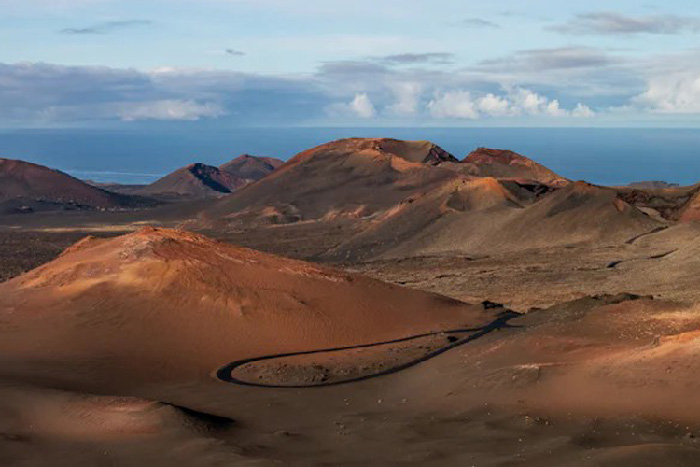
(225, 373)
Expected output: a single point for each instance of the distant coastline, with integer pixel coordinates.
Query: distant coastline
(602, 156)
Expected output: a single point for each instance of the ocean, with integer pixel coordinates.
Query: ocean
(601, 156)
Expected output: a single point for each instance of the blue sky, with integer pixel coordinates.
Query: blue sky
(349, 63)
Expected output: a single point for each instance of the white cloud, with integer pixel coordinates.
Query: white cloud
(674, 94)
(496, 106)
(454, 104)
(172, 109)
(582, 111)
(553, 109)
(530, 103)
(514, 103)
(361, 106)
(407, 96)
(52, 94)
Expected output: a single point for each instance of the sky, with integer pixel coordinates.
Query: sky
(442, 63)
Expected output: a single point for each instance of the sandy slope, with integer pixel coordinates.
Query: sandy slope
(485, 216)
(151, 316)
(156, 292)
(411, 199)
(163, 309)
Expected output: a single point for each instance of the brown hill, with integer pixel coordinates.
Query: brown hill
(690, 210)
(136, 301)
(582, 213)
(616, 355)
(157, 315)
(25, 186)
(347, 178)
(153, 313)
(415, 151)
(251, 167)
(666, 263)
(500, 163)
(670, 203)
(195, 180)
(374, 197)
(201, 180)
(486, 216)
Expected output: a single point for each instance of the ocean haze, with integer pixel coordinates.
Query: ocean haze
(602, 156)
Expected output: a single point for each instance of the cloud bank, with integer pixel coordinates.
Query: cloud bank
(515, 103)
(613, 23)
(571, 84)
(106, 27)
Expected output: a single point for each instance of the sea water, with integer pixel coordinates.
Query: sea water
(602, 156)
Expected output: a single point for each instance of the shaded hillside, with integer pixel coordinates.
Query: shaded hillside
(486, 216)
(673, 204)
(26, 187)
(195, 180)
(201, 180)
(251, 168)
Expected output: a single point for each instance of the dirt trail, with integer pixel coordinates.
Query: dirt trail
(225, 374)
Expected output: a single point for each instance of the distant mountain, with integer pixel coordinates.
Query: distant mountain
(195, 180)
(201, 180)
(653, 185)
(26, 187)
(115, 187)
(251, 167)
(390, 198)
(346, 178)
